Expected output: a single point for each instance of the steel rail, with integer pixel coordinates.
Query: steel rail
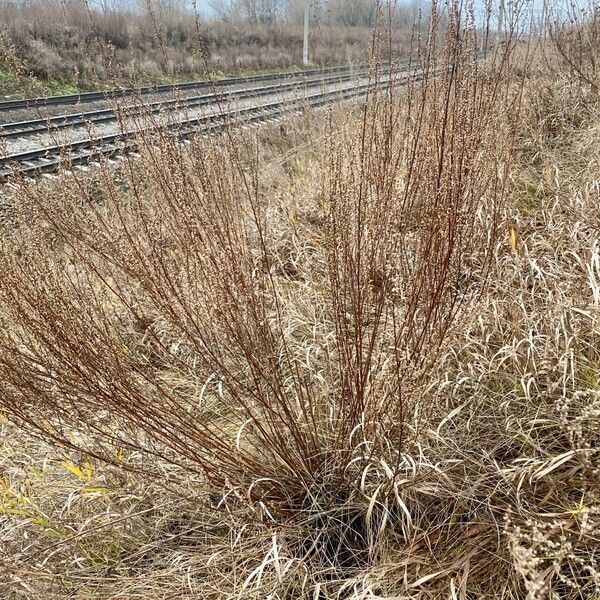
(29, 103)
(47, 160)
(45, 125)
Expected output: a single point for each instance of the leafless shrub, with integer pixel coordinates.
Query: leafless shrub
(164, 312)
(366, 368)
(575, 38)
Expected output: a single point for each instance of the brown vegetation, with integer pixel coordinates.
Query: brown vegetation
(351, 363)
(77, 43)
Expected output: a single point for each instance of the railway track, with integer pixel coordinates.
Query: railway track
(49, 159)
(44, 125)
(11, 105)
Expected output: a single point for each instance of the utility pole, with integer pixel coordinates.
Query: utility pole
(545, 18)
(306, 20)
(501, 17)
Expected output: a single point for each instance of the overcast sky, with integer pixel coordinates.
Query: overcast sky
(203, 6)
(535, 5)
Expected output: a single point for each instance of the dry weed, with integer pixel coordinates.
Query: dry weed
(365, 370)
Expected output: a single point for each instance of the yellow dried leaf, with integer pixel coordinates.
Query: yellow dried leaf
(89, 469)
(74, 469)
(512, 238)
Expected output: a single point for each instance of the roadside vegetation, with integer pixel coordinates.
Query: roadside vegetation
(353, 354)
(81, 44)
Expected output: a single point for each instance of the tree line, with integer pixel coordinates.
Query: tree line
(344, 13)
(347, 13)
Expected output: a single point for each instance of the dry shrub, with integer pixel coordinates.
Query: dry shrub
(562, 91)
(345, 383)
(575, 38)
(157, 313)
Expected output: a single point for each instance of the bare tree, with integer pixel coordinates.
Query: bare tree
(254, 11)
(262, 11)
(351, 13)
